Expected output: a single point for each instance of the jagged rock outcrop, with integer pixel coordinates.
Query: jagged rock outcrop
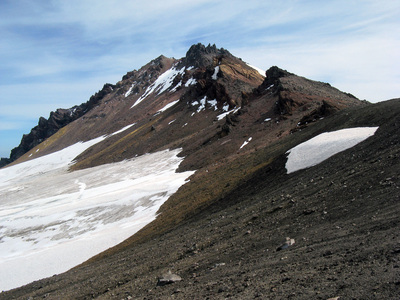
(4, 161)
(297, 93)
(200, 56)
(272, 76)
(57, 119)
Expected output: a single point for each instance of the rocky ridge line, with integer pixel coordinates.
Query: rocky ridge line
(57, 120)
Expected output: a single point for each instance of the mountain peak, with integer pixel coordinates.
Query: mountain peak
(199, 55)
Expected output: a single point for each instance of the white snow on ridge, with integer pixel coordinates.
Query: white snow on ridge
(52, 220)
(162, 83)
(325, 145)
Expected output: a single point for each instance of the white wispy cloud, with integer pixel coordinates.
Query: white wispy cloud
(53, 52)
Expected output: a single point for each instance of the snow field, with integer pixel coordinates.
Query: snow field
(323, 146)
(52, 220)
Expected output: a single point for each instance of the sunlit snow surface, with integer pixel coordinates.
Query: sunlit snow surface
(162, 83)
(323, 146)
(261, 71)
(52, 219)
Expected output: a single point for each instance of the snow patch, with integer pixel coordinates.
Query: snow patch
(325, 145)
(130, 89)
(203, 102)
(168, 105)
(216, 70)
(223, 115)
(123, 129)
(246, 142)
(191, 81)
(213, 103)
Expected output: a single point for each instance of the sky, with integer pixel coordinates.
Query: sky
(56, 54)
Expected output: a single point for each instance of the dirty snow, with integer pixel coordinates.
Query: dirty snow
(323, 146)
(52, 220)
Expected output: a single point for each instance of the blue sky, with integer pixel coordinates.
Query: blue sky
(58, 53)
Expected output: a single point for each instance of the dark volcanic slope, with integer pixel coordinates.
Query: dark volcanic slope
(343, 214)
